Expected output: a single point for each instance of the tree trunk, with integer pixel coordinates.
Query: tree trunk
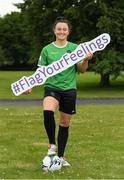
(104, 80)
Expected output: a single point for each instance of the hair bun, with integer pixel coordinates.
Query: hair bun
(60, 18)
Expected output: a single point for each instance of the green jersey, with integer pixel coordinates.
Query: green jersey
(66, 79)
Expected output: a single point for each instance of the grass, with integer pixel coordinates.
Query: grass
(87, 84)
(8, 77)
(95, 147)
(88, 87)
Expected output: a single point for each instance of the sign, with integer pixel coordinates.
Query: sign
(68, 59)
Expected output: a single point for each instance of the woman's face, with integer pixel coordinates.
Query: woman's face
(61, 31)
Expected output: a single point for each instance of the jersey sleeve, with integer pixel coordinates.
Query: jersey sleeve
(43, 58)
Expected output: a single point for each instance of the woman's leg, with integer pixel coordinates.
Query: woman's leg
(63, 132)
(50, 104)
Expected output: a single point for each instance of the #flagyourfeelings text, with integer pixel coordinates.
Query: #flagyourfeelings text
(67, 60)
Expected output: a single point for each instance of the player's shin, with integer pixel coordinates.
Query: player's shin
(49, 123)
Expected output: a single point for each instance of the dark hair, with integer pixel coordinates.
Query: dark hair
(62, 20)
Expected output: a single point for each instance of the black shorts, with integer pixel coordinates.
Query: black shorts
(66, 98)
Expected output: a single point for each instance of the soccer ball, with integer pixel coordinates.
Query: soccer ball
(51, 163)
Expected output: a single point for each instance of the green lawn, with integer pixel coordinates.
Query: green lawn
(95, 148)
(87, 84)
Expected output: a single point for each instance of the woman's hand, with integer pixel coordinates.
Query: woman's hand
(27, 92)
(82, 67)
(89, 56)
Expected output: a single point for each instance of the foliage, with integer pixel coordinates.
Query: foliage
(3, 59)
(111, 61)
(13, 39)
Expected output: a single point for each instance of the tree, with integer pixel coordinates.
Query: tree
(40, 16)
(111, 61)
(3, 59)
(13, 39)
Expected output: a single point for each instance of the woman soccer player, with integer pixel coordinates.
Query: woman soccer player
(60, 89)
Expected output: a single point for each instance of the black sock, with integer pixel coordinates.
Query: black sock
(49, 123)
(62, 140)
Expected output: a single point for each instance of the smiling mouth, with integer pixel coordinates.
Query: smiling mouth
(61, 35)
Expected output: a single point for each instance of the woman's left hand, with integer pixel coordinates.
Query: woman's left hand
(89, 56)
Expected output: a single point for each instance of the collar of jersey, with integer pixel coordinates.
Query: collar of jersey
(60, 46)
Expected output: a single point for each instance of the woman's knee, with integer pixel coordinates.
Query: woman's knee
(50, 103)
(65, 119)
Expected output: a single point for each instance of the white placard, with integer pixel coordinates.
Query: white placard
(68, 59)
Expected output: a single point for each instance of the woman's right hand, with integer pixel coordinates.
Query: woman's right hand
(27, 92)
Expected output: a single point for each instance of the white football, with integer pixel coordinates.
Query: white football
(46, 163)
(51, 163)
(56, 164)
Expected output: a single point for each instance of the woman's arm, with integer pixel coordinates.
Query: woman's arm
(82, 67)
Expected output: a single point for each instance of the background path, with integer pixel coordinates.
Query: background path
(79, 101)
